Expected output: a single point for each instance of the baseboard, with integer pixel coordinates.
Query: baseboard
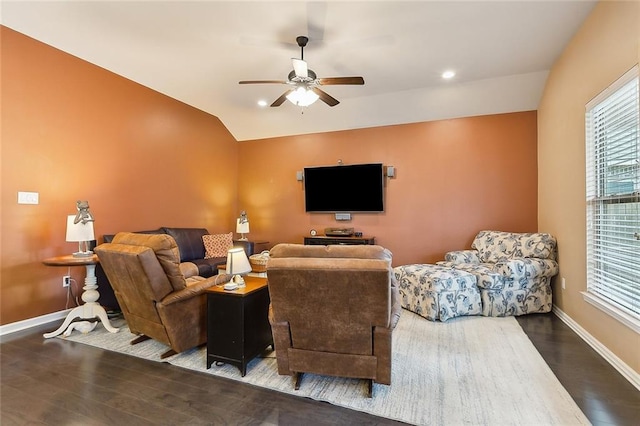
(627, 372)
(32, 322)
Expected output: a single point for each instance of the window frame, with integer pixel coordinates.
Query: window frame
(600, 196)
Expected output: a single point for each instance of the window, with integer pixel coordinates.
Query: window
(613, 200)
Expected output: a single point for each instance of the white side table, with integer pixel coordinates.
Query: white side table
(91, 308)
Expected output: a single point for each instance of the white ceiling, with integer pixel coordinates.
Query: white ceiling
(197, 52)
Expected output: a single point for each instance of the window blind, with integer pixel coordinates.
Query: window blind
(613, 194)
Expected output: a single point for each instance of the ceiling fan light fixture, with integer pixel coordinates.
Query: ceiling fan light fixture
(302, 96)
(304, 83)
(448, 74)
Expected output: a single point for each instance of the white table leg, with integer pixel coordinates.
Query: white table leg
(90, 309)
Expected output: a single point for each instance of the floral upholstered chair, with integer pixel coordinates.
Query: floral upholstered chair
(513, 271)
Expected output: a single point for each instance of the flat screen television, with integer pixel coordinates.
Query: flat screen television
(350, 188)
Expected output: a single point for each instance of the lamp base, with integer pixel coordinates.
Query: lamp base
(230, 286)
(83, 254)
(239, 280)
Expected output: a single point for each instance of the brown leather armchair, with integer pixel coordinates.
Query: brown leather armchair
(333, 311)
(156, 297)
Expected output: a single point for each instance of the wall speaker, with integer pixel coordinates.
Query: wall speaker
(299, 175)
(391, 171)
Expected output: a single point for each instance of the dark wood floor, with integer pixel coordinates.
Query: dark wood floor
(58, 382)
(603, 394)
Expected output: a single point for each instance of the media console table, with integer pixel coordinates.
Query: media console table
(322, 240)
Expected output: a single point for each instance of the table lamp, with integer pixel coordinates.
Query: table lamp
(242, 225)
(81, 233)
(237, 264)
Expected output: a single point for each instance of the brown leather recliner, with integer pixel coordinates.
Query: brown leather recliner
(333, 310)
(156, 298)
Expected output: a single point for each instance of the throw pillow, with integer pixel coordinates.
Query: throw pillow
(216, 245)
(495, 246)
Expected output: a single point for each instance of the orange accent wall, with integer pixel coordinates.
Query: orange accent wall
(72, 130)
(454, 178)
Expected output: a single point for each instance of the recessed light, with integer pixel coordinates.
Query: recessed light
(448, 74)
(262, 103)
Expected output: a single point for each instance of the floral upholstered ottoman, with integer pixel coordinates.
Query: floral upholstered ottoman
(437, 292)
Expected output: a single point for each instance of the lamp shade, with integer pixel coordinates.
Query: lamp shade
(237, 262)
(242, 227)
(77, 232)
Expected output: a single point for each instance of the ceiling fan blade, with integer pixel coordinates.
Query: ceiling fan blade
(300, 68)
(340, 80)
(281, 99)
(325, 97)
(262, 82)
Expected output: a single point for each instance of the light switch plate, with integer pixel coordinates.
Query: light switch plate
(28, 197)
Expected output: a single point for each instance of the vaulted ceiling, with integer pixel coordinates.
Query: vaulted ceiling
(197, 52)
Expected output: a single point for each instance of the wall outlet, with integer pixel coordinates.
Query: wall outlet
(66, 281)
(564, 283)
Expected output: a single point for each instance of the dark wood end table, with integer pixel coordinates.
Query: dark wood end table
(238, 326)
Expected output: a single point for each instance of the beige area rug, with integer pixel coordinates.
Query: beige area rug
(466, 371)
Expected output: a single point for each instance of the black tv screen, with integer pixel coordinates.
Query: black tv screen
(344, 188)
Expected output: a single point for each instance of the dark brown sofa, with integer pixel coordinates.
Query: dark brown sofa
(333, 310)
(191, 248)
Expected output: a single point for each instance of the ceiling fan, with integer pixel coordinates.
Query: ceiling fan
(305, 83)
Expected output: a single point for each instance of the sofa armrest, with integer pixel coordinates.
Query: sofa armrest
(195, 287)
(188, 269)
(526, 268)
(462, 256)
